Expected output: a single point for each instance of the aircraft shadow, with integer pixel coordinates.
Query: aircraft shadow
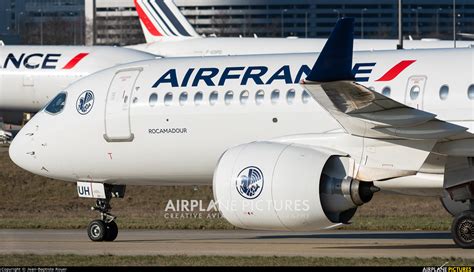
(421, 246)
(401, 235)
(395, 235)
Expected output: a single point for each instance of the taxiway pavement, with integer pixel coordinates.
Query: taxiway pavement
(236, 243)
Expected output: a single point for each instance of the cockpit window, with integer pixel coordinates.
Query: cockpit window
(57, 104)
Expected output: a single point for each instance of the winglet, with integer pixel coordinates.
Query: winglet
(335, 60)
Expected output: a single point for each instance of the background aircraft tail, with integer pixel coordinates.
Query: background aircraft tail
(161, 19)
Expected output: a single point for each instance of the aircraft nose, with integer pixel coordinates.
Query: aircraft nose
(22, 151)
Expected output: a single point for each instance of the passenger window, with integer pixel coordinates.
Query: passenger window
(183, 98)
(153, 99)
(168, 99)
(305, 97)
(259, 96)
(275, 96)
(443, 92)
(470, 92)
(290, 96)
(198, 98)
(244, 97)
(386, 91)
(57, 104)
(414, 92)
(229, 96)
(213, 98)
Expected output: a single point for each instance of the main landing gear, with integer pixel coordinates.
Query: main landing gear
(462, 229)
(458, 198)
(105, 228)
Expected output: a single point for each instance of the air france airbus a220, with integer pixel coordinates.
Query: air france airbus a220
(288, 145)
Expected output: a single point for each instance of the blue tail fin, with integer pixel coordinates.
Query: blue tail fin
(335, 60)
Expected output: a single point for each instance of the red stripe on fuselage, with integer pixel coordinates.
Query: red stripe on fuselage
(74, 61)
(396, 70)
(146, 21)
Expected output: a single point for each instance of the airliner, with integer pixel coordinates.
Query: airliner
(288, 142)
(169, 34)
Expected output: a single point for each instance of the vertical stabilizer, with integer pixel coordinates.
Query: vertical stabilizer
(161, 19)
(335, 60)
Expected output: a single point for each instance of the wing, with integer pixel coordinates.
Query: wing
(364, 112)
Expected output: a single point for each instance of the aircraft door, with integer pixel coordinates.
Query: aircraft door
(117, 107)
(414, 93)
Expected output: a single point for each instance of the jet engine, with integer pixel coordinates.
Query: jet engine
(267, 185)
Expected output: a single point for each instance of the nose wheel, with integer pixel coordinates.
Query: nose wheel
(99, 231)
(104, 229)
(462, 229)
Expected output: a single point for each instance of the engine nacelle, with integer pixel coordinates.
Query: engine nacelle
(266, 185)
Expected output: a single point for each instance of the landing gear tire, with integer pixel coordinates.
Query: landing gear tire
(112, 231)
(104, 229)
(97, 230)
(462, 229)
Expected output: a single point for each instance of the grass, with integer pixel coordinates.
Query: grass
(30, 201)
(178, 260)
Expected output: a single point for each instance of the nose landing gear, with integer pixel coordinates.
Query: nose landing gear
(104, 229)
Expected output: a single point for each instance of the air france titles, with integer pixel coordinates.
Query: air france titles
(167, 131)
(39, 61)
(211, 76)
(263, 75)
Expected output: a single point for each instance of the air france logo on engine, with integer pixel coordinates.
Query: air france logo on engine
(85, 102)
(249, 182)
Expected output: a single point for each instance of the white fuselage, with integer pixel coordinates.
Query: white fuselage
(128, 138)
